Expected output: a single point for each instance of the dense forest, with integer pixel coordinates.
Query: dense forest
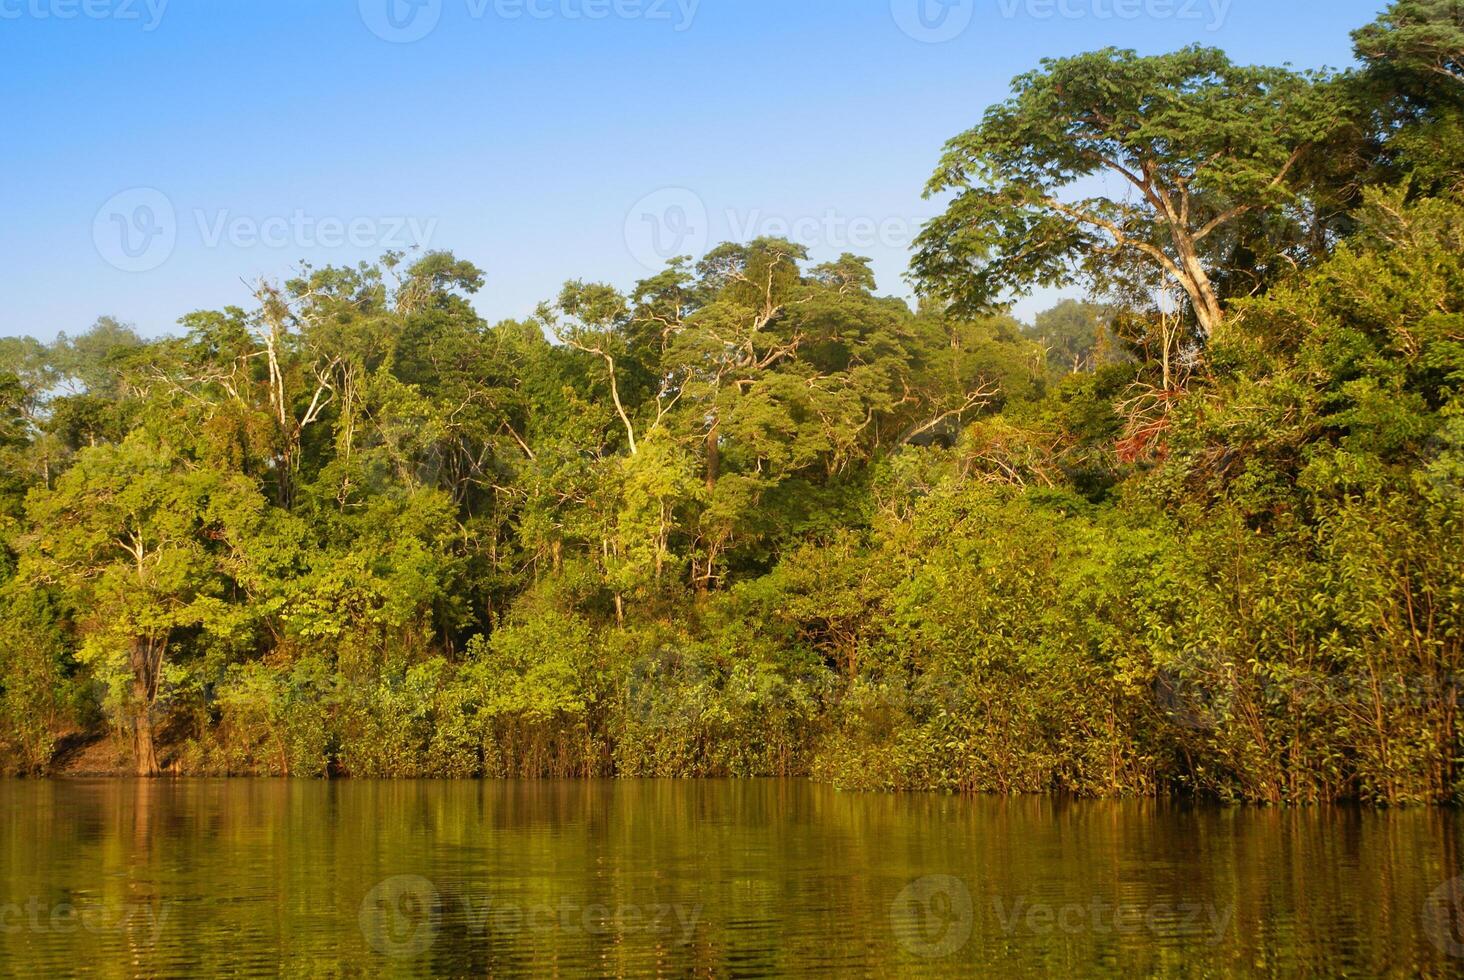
(1201, 534)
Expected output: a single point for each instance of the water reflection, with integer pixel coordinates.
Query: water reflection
(706, 878)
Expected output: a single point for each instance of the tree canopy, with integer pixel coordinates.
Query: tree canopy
(1194, 533)
(1206, 159)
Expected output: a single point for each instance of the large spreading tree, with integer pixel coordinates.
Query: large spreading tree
(1134, 174)
(1425, 36)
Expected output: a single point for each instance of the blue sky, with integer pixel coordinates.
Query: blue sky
(158, 153)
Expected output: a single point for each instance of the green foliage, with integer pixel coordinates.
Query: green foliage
(1413, 82)
(749, 518)
(1210, 151)
(1076, 335)
(732, 704)
(1425, 37)
(35, 691)
(271, 719)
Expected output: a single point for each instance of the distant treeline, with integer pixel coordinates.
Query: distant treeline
(1203, 534)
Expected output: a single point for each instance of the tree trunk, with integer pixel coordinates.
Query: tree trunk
(143, 749)
(144, 692)
(1201, 291)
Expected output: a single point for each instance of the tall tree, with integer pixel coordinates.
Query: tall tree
(1423, 36)
(1206, 148)
(132, 536)
(1413, 83)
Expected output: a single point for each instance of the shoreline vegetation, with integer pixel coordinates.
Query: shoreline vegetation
(1202, 535)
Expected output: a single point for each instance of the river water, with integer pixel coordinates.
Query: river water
(763, 878)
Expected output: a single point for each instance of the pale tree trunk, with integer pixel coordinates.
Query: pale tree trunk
(1196, 283)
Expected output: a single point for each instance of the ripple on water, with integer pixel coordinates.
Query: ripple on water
(713, 878)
